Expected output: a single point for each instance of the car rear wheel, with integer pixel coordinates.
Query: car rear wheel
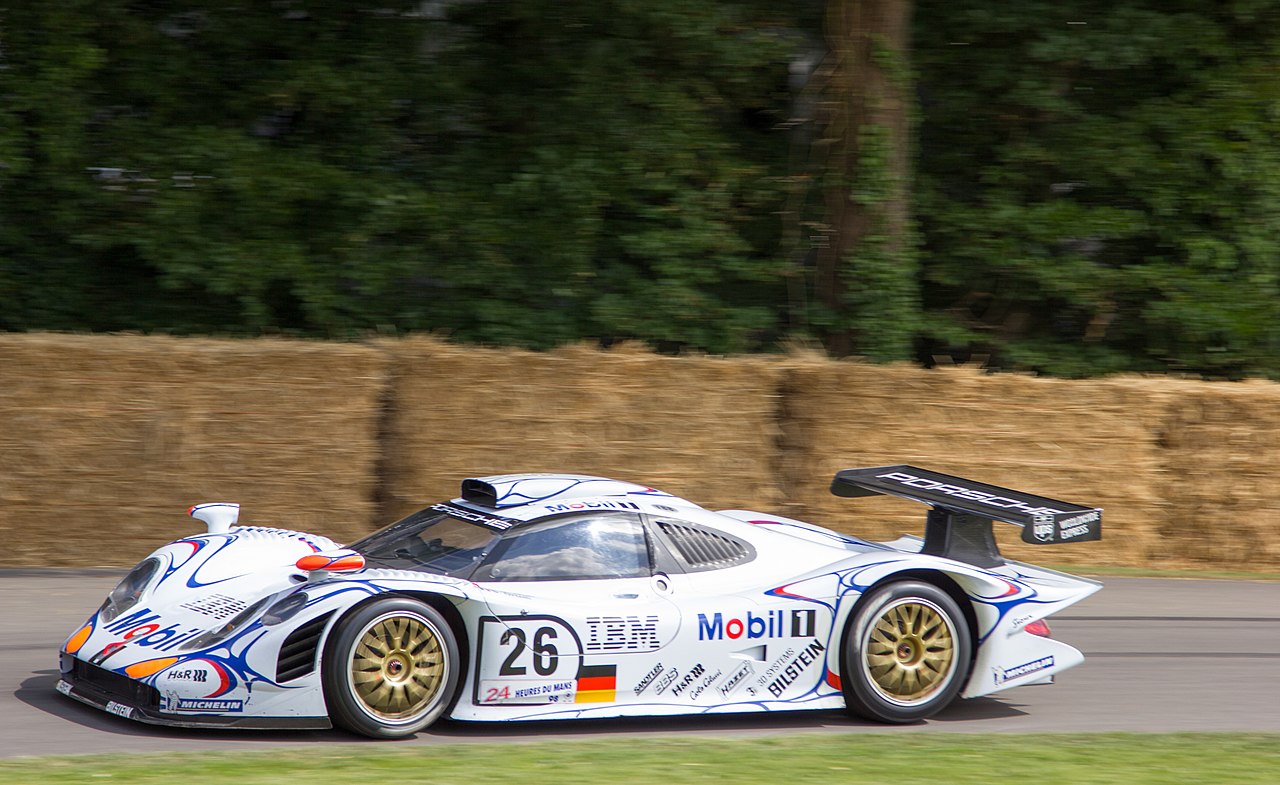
(906, 653)
(390, 668)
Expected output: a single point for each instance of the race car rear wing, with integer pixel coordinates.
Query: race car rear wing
(959, 525)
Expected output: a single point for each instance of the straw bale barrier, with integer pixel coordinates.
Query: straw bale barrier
(106, 440)
(1090, 442)
(694, 426)
(1221, 475)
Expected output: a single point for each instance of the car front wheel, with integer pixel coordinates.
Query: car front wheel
(390, 668)
(906, 653)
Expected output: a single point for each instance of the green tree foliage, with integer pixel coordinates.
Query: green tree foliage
(1100, 183)
(521, 173)
(1096, 185)
(616, 170)
(193, 168)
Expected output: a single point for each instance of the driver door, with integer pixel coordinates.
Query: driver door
(577, 614)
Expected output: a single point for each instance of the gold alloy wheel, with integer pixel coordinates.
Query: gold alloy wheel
(398, 668)
(909, 651)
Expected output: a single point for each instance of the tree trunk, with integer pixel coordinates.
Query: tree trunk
(865, 271)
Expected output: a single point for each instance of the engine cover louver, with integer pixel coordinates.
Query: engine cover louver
(702, 549)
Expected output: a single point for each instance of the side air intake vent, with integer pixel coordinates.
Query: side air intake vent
(702, 549)
(298, 653)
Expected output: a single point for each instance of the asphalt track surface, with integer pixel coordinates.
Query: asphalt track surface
(1163, 655)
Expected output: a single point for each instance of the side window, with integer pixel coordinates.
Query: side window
(698, 548)
(594, 546)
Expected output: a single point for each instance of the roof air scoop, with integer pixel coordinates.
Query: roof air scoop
(218, 516)
(479, 492)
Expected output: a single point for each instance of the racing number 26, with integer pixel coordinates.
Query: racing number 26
(543, 652)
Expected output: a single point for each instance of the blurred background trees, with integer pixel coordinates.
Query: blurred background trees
(1072, 187)
(1099, 183)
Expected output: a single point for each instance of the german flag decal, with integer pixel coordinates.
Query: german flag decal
(597, 683)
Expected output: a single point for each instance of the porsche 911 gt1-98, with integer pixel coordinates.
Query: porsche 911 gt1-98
(545, 596)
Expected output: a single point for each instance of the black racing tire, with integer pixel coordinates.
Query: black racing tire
(906, 653)
(391, 668)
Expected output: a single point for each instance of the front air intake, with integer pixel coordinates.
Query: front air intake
(107, 685)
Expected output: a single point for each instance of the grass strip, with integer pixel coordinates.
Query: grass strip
(956, 759)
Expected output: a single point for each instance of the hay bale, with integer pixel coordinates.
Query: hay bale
(1221, 469)
(1089, 442)
(699, 427)
(106, 440)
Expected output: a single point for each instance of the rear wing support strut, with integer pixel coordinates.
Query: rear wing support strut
(959, 525)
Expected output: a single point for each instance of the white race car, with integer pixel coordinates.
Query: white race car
(545, 596)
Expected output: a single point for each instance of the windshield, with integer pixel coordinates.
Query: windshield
(436, 540)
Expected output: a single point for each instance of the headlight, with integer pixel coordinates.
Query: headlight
(220, 634)
(285, 609)
(125, 595)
